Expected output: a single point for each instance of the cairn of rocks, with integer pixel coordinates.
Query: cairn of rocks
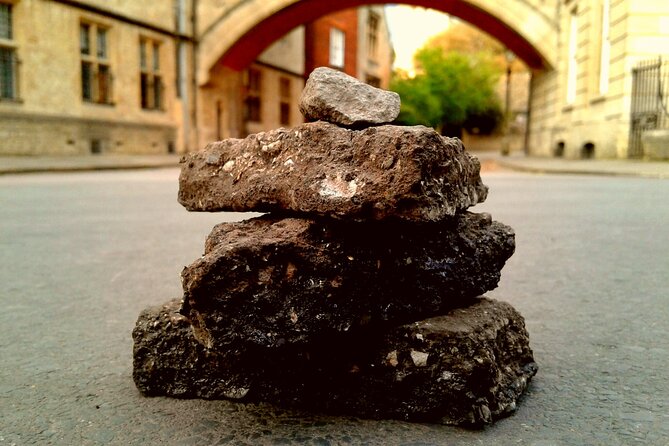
(359, 292)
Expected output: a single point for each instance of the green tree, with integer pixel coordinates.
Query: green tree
(452, 90)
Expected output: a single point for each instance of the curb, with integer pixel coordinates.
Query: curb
(85, 167)
(548, 170)
(29, 170)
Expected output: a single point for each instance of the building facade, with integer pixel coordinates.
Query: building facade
(375, 51)
(355, 41)
(333, 41)
(81, 77)
(272, 86)
(582, 108)
(119, 77)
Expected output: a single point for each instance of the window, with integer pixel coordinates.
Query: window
(150, 78)
(284, 88)
(5, 21)
(337, 40)
(284, 110)
(572, 61)
(101, 44)
(372, 34)
(284, 105)
(373, 81)
(8, 59)
(96, 75)
(605, 51)
(85, 38)
(252, 111)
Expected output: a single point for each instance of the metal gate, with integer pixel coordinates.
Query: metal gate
(650, 94)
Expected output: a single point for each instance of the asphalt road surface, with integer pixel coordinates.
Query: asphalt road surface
(82, 254)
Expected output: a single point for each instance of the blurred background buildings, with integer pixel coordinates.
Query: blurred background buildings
(119, 76)
(168, 76)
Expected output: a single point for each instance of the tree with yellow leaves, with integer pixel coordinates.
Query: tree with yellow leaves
(454, 85)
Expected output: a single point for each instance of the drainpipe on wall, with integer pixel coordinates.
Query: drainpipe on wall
(194, 70)
(528, 121)
(182, 74)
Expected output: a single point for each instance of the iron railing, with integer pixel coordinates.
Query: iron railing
(650, 101)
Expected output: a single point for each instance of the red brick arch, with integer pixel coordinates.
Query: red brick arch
(254, 41)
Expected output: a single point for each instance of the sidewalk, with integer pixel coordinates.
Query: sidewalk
(34, 164)
(547, 165)
(489, 160)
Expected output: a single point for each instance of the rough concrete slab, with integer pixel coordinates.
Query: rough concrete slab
(468, 367)
(410, 173)
(271, 281)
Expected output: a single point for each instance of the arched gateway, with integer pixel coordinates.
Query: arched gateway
(246, 27)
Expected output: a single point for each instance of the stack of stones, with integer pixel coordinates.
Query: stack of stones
(359, 291)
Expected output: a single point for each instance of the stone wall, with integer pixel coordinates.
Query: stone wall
(50, 116)
(597, 115)
(23, 134)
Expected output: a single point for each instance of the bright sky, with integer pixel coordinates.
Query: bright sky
(410, 27)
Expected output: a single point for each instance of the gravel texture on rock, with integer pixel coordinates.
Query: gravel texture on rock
(333, 96)
(467, 367)
(271, 281)
(409, 173)
(168, 360)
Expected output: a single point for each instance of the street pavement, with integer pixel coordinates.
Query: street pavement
(81, 254)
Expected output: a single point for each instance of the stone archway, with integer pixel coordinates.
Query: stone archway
(246, 27)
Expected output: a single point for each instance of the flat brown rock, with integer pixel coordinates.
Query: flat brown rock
(271, 281)
(168, 360)
(468, 367)
(410, 173)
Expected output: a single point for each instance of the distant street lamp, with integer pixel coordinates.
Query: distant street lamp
(509, 56)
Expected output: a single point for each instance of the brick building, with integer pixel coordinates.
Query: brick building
(355, 41)
(332, 41)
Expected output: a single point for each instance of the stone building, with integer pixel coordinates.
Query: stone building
(582, 107)
(99, 76)
(90, 77)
